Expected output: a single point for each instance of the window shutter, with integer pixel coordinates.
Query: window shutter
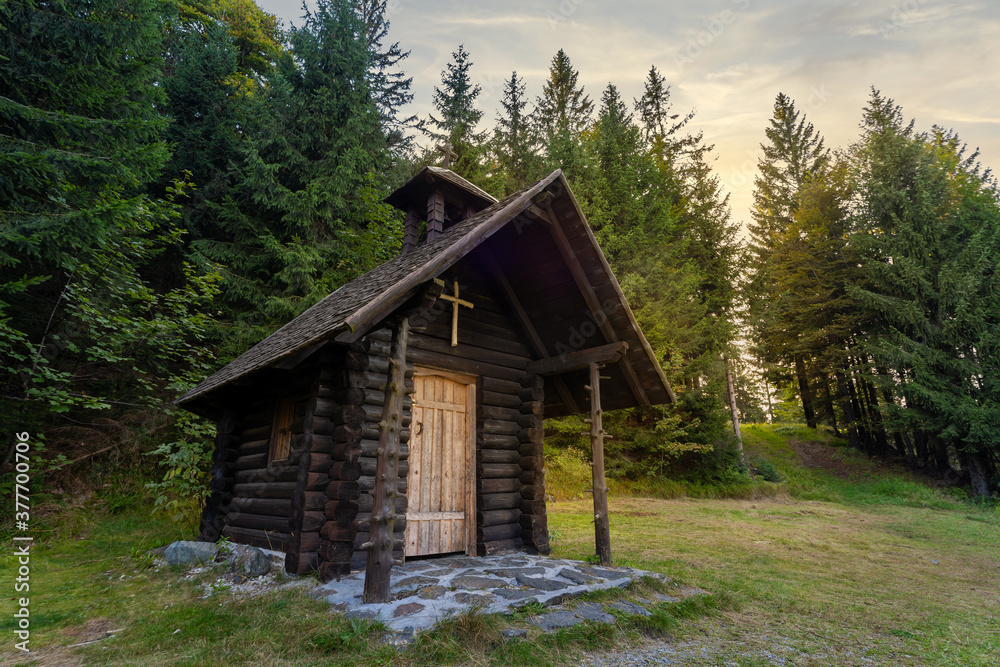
(281, 430)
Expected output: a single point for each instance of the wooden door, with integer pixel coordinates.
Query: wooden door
(440, 515)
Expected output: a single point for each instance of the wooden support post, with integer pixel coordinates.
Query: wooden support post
(383, 518)
(602, 527)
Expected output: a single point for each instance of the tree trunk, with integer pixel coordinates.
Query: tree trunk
(828, 403)
(972, 462)
(845, 406)
(383, 518)
(732, 405)
(805, 391)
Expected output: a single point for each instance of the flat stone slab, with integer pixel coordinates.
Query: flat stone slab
(555, 620)
(425, 592)
(469, 581)
(541, 584)
(592, 611)
(630, 608)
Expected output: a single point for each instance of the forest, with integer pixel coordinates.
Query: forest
(180, 178)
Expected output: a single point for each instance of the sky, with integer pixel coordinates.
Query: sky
(726, 60)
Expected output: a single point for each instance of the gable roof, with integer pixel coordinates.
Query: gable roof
(351, 310)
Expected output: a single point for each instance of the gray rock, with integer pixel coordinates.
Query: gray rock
(574, 576)
(601, 573)
(510, 573)
(481, 599)
(541, 584)
(592, 611)
(513, 561)
(514, 633)
(249, 561)
(555, 620)
(407, 609)
(432, 592)
(188, 552)
(413, 582)
(470, 581)
(660, 597)
(508, 594)
(630, 608)
(364, 614)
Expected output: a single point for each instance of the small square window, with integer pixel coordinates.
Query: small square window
(281, 430)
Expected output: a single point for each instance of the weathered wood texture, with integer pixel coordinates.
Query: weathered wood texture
(533, 519)
(227, 442)
(602, 527)
(383, 518)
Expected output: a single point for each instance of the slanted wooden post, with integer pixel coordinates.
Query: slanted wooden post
(602, 527)
(383, 517)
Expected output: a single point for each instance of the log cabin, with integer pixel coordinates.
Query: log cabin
(402, 414)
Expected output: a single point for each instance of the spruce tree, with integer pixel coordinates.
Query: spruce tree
(515, 144)
(454, 128)
(563, 112)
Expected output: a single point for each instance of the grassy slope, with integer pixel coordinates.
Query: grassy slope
(829, 568)
(850, 564)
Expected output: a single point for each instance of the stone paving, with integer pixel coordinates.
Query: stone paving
(426, 591)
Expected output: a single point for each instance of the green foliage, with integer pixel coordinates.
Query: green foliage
(182, 491)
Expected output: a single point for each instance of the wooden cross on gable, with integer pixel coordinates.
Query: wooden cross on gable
(455, 303)
(449, 155)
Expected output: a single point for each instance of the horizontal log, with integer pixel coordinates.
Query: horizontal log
(258, 433)
(478, 354)
(275, 506)
(533, 507)
(338, 490)
(498, 470)
(313, 521)
(320, 462)
(531, 435)
(348, 434)
(337, 532)
(500, 413)
(251, 462)
(499, 456)
(367, 483)
(501, 532)
(302, 563)
(317, 481)
(264, 490)
(369, 447)
(459, 365)
(498, 501)
(493, 398)
(275, 473)
(499, 385)
(529, 421)
(573, 361)
(529, 476)
(373, 415)
(488, 486)
(258, 521)
(345, 471)
(531, 462)
(368, 467)
(532, 395)
(497, 427)
(498, 517)
(493, 441)
(500, 547)
(274, 540)
(336, 551)
(532, 408)
(353, 415)
(370, 432)
(321, 444)
(365, 503)
(252, 447)
(530, 449)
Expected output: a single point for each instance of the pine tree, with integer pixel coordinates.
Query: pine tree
(454, 128)
(928, 231)
(563, 113)
(82, 139)
(795, 152)
(515, 144)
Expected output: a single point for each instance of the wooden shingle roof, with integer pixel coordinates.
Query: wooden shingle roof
(360, 304)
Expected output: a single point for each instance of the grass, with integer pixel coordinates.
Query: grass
(841, 563)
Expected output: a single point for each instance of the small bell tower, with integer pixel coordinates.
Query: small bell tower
(438, 197)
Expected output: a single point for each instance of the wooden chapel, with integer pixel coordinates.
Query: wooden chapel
(401, 416)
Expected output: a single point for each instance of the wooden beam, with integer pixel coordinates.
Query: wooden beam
(594, 303)
(527, 326)
(435, 215)
(572, 361)
(383, 519)
(602, 526)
